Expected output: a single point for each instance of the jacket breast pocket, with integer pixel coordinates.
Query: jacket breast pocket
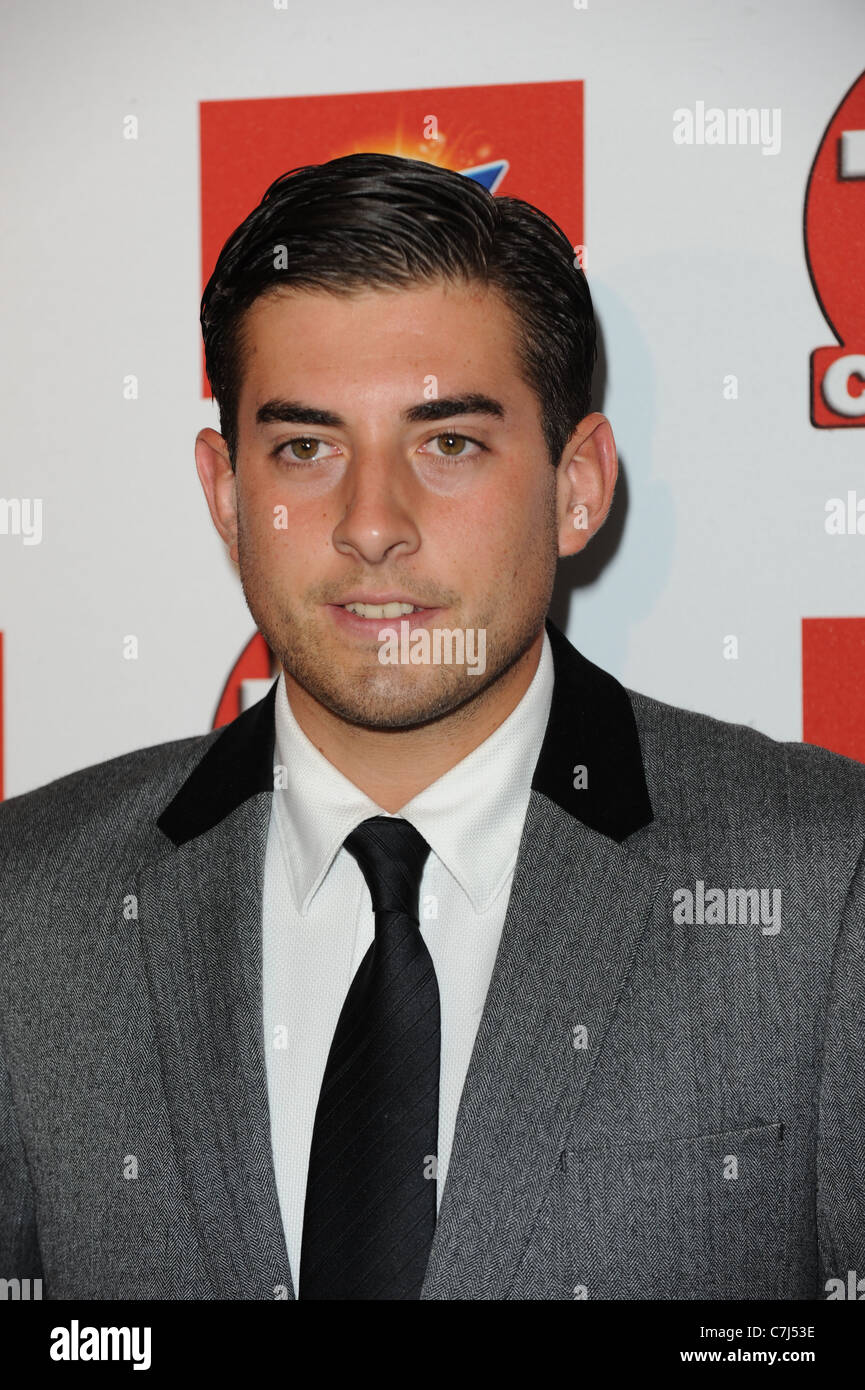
(686, 1218)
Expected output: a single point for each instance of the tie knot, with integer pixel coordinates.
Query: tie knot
(391, 854)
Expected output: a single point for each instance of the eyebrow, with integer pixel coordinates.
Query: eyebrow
(296, 413)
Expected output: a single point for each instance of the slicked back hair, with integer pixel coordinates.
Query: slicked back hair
(367, 221)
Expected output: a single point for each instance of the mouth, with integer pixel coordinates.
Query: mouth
(391, 608)
(368, 619)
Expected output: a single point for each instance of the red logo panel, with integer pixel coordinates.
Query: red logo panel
(835, 249)
(833, 684)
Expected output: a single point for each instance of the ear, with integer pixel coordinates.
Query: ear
(213, 466)
(585, 483)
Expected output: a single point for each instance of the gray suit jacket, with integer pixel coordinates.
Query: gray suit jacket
(655, 1107)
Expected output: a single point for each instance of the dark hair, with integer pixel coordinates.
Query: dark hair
(369, 220)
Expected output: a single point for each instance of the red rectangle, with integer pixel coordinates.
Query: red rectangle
(833, 684)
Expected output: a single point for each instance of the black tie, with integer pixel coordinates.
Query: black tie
(370, 1210)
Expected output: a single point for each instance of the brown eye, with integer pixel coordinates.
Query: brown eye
(452, 438)
(451, 447)
(302, 445)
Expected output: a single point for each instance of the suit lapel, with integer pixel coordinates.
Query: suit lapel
(579, 904)
(578, 908)
(200, 904)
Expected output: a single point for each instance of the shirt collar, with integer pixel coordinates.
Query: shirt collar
(471, 817)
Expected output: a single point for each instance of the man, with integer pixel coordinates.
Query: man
(452, 969)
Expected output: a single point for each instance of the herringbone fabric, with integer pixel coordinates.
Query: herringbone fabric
(370, 1209)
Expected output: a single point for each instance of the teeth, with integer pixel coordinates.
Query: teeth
(381, 610)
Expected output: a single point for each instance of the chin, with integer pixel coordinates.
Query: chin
(398, 705)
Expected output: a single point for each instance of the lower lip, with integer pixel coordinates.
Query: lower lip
(370, 627)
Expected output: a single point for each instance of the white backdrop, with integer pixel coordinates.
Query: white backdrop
(696, 265)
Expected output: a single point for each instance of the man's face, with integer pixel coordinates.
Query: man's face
(455, 513)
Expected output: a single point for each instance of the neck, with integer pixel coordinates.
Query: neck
(393, 765)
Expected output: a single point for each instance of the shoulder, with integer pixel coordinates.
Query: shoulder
(110, 806)
(705, 772)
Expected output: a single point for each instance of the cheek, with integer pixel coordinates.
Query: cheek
(279, 528)
(517, 521)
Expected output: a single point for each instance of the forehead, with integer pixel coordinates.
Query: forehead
(462, 334)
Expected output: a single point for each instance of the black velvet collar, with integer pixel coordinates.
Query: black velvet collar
(591, 725)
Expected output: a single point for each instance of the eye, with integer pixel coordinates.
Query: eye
(458, 441)
(303, 448)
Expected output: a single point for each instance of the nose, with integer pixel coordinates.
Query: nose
(378, 520)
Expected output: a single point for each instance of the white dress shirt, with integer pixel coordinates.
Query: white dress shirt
(318, 921)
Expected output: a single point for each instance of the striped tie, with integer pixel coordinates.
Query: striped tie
(370, 1211)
